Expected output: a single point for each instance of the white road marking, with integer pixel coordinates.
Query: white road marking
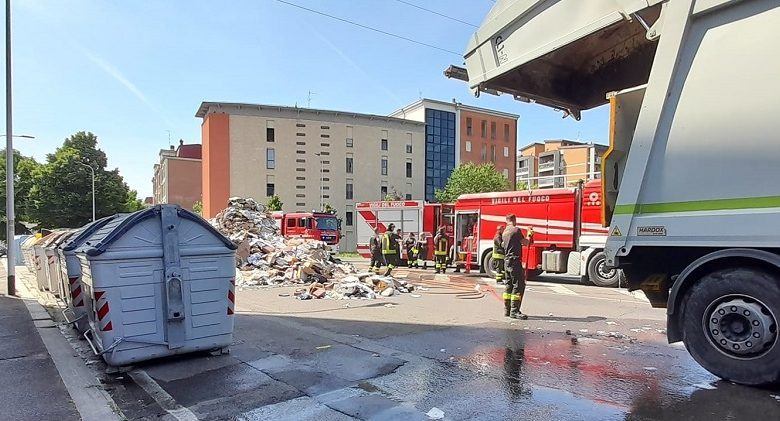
(639, 295)
(162, 397)
(560, 289)
(556, 288)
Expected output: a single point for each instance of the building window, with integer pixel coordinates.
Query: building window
(348, 218)
(506, 173)
(506, 133)
(483, 153)
(350, 191)
(408, 196)
(483, 127)
(493, 153)
(269, 131)
(383, 192)
(326, 196)
(325, 145)
(384, 144)
(468, 146)
(299, 204)
(325, 179)
(349, 142)
(300, 187)
(408, 148)
(349, 165)
(506, 151)
(300, 161)
(349, 136)
(324, 153)
(270, 158)
(300, 134)
(300, 125)
(325, 135)
(300, 143)
(269, 189)
(408, 170)
(300, 152)
(300, 169)
(468, 126)
(492, 129)
(325, 127)
(299, 178)
(384, 166)
(301, 195)
(326, 162)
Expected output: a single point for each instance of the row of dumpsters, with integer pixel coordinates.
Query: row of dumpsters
(142, 285)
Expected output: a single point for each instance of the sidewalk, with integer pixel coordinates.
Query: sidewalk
(30, 385)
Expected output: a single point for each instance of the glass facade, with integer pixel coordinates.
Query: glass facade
(439, 149)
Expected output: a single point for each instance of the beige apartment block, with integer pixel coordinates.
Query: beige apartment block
(558, 163)
(177, 177)
(309, 157)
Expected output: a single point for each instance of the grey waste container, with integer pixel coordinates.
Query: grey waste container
(18, 240)
(53, 263)
(39, 255)
(158, 282)
(70, 273)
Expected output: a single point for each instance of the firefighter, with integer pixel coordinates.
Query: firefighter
(390, 247)
(441, 245)
(422, 252)
(512, 240)
(410, 245)
(375, 247)
(498, 254)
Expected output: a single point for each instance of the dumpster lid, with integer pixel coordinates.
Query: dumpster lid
(62, 238)
(116, 228)
(51, 238)
(83, 233)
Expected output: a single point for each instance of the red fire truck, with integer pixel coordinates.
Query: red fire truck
(320, 226)
(568, 235)
(409, 215)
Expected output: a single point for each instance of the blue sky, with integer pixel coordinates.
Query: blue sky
(130, 71)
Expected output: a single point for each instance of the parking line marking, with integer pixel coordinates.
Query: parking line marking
(560, 289)
(166, 401)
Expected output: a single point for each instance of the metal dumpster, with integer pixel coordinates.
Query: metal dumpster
(157, 282)
(39, 259)
(27, 253)
(53, 263)
(70, 274)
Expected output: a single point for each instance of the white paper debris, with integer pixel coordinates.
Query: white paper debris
(435, 413)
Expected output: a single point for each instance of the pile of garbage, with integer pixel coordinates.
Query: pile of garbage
(266, 258)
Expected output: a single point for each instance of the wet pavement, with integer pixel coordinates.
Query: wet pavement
(588, 353)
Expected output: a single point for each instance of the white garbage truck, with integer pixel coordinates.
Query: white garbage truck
(691, 180)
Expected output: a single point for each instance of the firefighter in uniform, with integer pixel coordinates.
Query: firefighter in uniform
(375, 247)
(498, 254)
(441, 245)
(390, 248)
(515, 277)
(410, 245)
(422, 252)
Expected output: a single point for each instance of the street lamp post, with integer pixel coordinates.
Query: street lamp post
(93, 187)
(322, 182)
(10, 205)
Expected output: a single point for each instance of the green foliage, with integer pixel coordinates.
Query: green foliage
(472, 178)
(24, 179)
(274, 203)
(523, 185)
(197, 207)
(392, 196)
(61, 195)
(329, 209)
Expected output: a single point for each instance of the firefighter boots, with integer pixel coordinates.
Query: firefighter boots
(515, 312)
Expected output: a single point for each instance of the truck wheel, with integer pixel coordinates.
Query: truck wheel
(599, 275)
(487, 265)
(729, 325)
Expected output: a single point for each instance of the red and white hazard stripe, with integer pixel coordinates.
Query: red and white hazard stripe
(51, 260)
(231, 295)
(101, 310)
(75, 291)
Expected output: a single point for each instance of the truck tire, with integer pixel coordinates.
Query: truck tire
(730, 322)
(487, 264)
(600, 276)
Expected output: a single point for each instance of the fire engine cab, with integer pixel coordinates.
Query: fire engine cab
(414, 216)
(320, 226)
(567, 233)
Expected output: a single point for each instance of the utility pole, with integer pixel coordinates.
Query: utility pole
(93, 186)
(9, 158)
(308, 101)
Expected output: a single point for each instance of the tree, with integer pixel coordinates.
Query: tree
(392, 196)
(274, 203)
(472, 178)
(197, 207)
(62, 193)
(24, 179)
(329, 209)
(523, 185)
(133, 202)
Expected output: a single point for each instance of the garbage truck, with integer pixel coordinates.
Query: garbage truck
(690, 179)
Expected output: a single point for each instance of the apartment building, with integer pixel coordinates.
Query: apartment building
(177, 177)
(308, 157)
(558, 163)
(457, 133)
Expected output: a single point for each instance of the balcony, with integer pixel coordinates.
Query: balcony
(544, 166)
(546, 182)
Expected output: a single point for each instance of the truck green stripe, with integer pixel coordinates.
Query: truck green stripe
(700, 205)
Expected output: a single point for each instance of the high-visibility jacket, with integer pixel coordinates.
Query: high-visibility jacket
(498, 248)
(390, 243)
(441, 245)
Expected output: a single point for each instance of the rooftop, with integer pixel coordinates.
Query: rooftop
(434, 102)
(234, 107)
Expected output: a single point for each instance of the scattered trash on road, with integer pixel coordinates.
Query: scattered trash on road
(435, 413)
(323, 347)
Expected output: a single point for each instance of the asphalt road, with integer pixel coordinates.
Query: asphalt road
(585, 353)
